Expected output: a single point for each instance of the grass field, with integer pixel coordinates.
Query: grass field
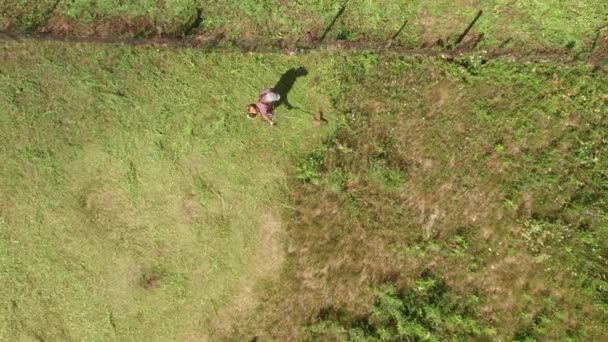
(478, 190)
(569, 25)
(445, 198)
(133, 188)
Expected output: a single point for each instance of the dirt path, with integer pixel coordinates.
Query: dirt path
(218, 43)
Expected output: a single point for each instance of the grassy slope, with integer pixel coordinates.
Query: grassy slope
(130, 175)
(516, 23)
(133, 188)
(491, 177)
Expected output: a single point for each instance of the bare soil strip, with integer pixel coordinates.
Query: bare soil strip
(218, 43)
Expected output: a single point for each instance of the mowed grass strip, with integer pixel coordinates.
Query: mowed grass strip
(133, 187)
(514, 24)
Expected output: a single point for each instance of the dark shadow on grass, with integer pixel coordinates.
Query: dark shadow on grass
(597, 37)
(466, 31)
(333, 22)
(394, 36)
(505, 42)
(194, 23)
(285, 83)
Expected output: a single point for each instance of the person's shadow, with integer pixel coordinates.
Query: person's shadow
(285, 83)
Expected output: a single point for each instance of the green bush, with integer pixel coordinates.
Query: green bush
(428, 311)
(309, 167)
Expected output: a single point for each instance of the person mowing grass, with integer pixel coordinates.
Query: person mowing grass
(264, 106)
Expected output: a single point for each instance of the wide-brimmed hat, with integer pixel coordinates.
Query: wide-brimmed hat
(252, 111)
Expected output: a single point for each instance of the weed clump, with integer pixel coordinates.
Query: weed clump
(428, 310)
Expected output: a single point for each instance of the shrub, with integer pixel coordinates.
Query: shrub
(427, 311)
